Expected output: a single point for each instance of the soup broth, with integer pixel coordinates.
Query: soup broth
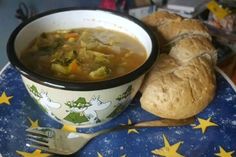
(84, 54)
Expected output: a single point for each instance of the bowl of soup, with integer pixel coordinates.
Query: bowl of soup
(82, 67)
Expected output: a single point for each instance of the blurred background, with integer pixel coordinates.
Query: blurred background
(218, 15)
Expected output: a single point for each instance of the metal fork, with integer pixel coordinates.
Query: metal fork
(65, 143)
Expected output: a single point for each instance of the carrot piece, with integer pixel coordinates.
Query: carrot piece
(71, 35)
(74, 67)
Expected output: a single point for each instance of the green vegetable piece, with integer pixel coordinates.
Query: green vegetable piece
(58, 68)
(102, 60)
(85, 56)
(92, 45)
(69, 55)
(99, 73)
(63, 57)
(100, 57)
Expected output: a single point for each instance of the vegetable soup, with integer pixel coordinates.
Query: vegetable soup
(84, 54)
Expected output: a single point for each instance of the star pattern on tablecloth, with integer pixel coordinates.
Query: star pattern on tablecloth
(4, 99)
(204, 124)
(223, 153)
(131, 130)
(36, 153)
(33, 124)
(99, 154)
(168, 150)
(221, 148)
(70, 128)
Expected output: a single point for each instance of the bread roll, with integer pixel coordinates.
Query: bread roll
(188, 48)
(159, 18)
(182, 82)
(182, 93)
(176, 30)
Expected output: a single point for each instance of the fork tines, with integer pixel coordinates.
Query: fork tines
(39, 138)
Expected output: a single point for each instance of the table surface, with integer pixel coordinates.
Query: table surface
(216, 140)
(211, 134)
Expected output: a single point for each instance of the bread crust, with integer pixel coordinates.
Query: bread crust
(182, 93)
(181, 83)
(176, 30)
(159, 18)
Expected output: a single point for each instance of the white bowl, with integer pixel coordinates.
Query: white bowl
(107, 99)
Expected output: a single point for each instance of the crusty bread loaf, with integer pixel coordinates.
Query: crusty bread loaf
(182, 82)
(190, 47)
(159, 18)
(182, 93)
(176, 30)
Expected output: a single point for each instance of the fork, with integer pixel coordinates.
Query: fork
(65, 143)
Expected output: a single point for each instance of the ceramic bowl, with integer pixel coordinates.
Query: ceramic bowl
(98, 101)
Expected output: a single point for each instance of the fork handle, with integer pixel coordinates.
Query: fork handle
(164, 123)
(149, 124)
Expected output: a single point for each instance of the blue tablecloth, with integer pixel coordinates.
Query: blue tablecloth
(212, 134)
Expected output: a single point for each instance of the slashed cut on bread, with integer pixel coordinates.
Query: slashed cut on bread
(193, 46)
(176, 30)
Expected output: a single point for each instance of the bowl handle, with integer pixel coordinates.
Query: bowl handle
(24, 12)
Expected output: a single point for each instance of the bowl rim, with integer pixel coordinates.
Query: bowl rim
(82, 86)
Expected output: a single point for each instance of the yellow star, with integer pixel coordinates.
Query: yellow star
(223, 153)
(5, 99)
(168, 150)
(36, 153)
(68, 128)
(204, 124)
(131, 130)
(99, 155)
(34, 124)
